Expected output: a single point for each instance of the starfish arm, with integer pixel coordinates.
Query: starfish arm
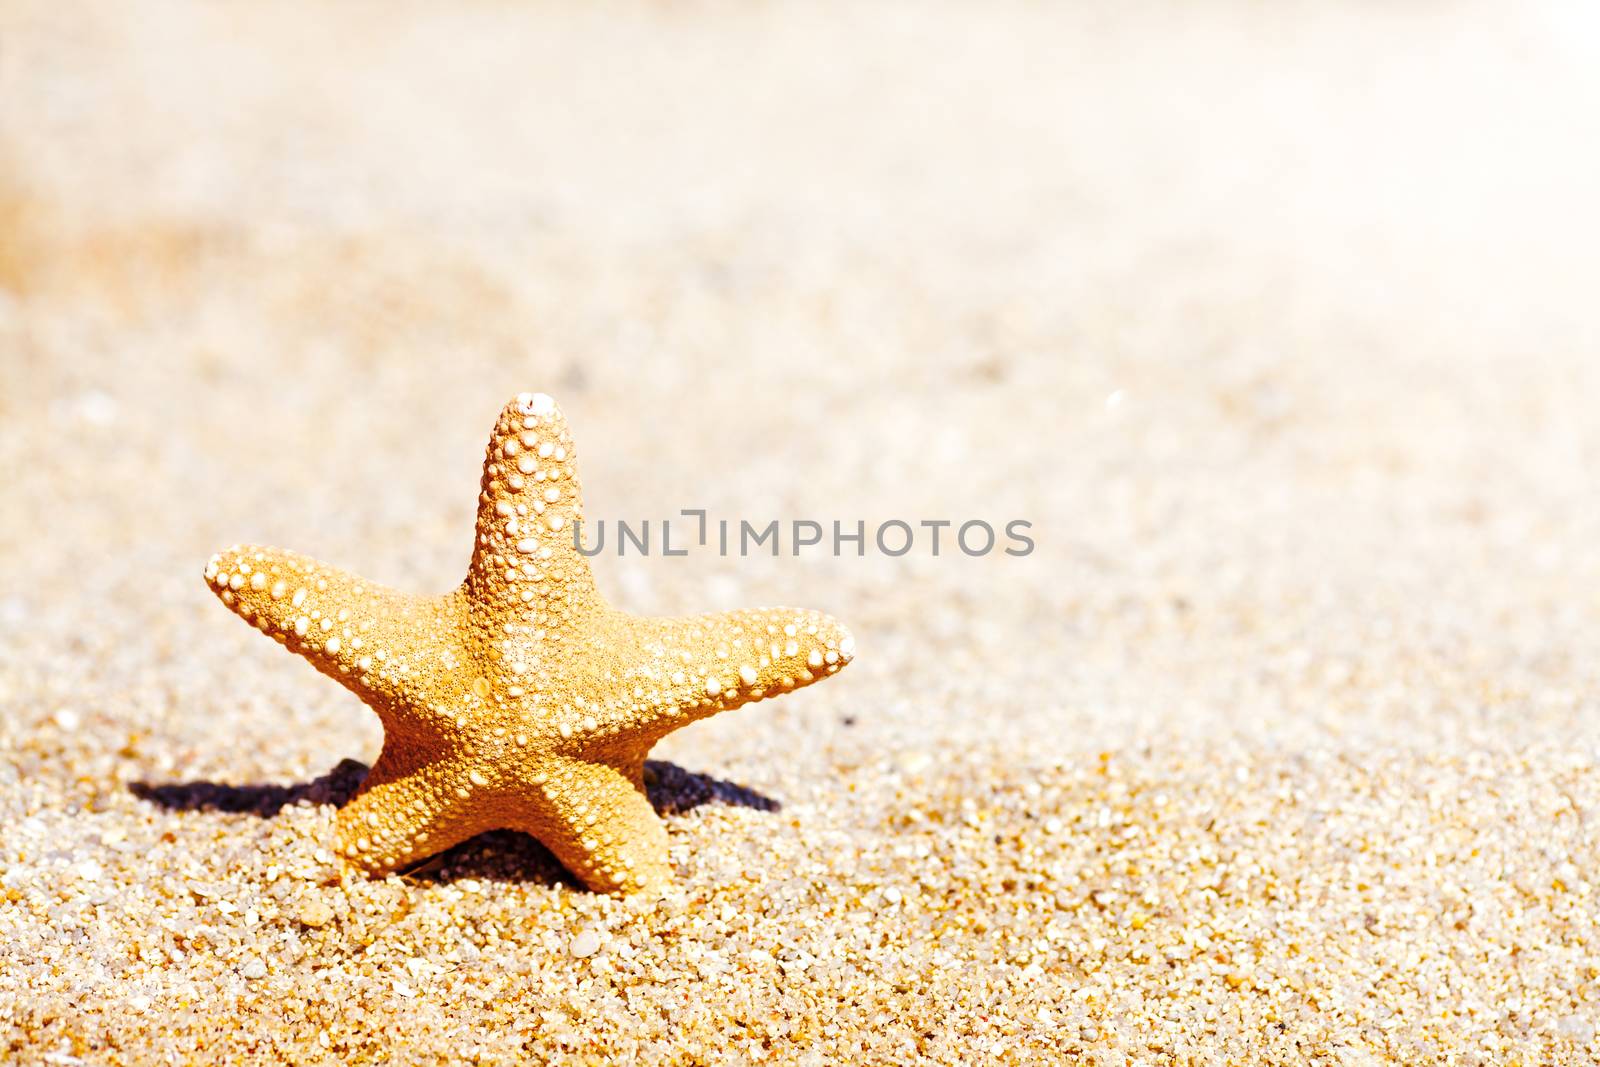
(524, 560)
(409, 807)
(387, 647)
(687, 668)
(600, 825)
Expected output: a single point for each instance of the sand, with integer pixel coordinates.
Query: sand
(1275, 321)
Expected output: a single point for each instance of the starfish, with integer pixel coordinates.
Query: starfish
(521, 700)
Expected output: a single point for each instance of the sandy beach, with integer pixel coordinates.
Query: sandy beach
(1275, 322)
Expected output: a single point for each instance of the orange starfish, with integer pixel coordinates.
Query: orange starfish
(521, 700)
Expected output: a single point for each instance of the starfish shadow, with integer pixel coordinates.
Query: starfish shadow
(502, 855)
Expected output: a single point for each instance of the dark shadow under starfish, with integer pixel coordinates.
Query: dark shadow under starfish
(501, 855)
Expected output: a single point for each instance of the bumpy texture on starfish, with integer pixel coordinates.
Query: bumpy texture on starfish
(521, 700)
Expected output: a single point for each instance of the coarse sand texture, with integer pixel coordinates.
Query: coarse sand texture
(1274, 321)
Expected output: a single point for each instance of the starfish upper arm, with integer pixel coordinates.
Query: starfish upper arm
(374, 640)
(529, 501)
(693, 666)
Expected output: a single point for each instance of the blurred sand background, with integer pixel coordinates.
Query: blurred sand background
(1276, 320)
